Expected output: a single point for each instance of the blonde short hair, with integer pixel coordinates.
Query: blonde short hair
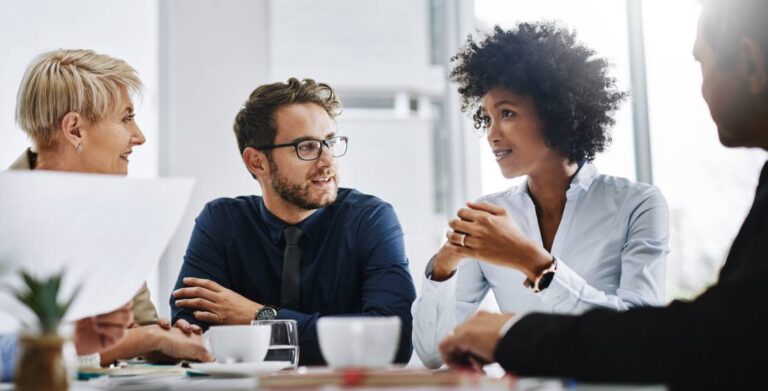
(64, 81)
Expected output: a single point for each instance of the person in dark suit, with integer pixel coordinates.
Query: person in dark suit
(710, 342)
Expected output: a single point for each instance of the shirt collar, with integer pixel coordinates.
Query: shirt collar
(313, 226)
(581, 181)
(27, 161)
(584, 177)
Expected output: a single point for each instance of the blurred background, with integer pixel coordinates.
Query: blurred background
(389, 60)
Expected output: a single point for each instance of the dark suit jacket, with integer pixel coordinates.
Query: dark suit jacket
(720, 339)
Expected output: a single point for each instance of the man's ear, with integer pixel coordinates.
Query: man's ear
(256, 162)
(71, 129)
(756, 72)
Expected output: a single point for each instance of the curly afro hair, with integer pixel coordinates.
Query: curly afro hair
(569, 86)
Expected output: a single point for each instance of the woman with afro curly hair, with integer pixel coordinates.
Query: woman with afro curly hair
(566, 240)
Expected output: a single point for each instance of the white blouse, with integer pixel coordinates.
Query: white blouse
(611, 247)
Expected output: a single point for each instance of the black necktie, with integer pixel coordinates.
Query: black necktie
(289, 295)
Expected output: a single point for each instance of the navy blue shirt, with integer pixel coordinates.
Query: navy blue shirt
(352, 262)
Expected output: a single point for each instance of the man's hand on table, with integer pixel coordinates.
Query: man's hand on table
(473, 343)
(212, 303)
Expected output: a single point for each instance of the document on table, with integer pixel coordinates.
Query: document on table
(105, 232)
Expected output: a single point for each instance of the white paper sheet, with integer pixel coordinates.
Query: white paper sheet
(106, 232)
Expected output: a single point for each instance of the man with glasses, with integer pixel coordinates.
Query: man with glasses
(305, 248)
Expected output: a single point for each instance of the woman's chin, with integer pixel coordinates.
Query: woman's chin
(511, 173)
(122, 167)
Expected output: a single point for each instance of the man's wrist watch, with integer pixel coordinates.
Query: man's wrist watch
(544, 278)
(266, 312)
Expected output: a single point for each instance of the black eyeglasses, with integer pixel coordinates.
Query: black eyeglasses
(312, 149)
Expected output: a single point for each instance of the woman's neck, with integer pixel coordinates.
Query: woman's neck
(54, 160)
(547, 187)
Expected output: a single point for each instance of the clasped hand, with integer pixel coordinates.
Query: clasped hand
(101, 332)
(486, 232)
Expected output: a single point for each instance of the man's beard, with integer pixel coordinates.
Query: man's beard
(296, 194)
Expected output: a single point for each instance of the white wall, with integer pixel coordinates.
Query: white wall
(367, 44)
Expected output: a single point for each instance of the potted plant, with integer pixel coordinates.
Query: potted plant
(41, 365)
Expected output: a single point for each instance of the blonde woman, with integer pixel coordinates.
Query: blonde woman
(76, 108)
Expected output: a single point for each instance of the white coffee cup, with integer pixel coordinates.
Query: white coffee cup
(240, 343)
(368, 342)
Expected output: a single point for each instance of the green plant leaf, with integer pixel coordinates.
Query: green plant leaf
(41, 297)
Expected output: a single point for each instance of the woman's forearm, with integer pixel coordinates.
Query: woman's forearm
(137, 341)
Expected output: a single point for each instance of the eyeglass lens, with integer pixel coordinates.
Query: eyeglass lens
(311, 149)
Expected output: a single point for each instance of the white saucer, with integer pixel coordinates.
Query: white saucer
(241, 369)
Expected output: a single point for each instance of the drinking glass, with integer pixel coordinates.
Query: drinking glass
(284, 343)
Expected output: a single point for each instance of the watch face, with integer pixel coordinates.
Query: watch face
(266, 313)
(546, 279)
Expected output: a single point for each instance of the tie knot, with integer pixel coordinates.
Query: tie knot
(292, 235)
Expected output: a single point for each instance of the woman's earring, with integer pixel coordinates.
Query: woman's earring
(79, 147)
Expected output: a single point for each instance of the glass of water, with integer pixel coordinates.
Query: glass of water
(284, 343)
